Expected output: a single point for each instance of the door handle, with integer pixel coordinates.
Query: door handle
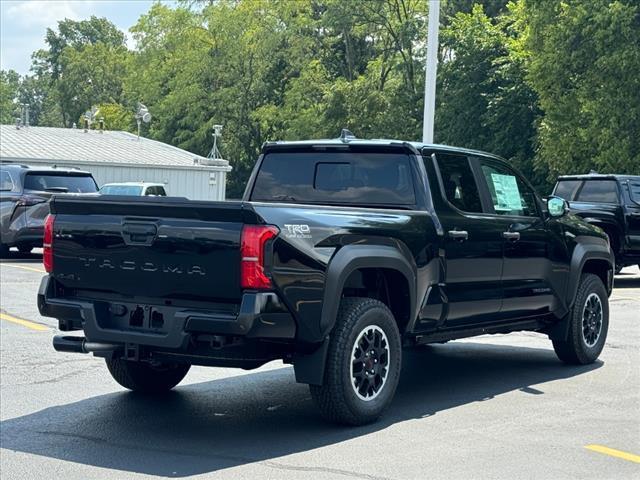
(459, 235)
(511, 236)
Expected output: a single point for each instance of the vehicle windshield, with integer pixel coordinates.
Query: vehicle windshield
(59, 182)
(134, 190)
(335, 178)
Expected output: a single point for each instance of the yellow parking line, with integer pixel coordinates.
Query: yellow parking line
(614, 453)
(24, 323)
(31, 269)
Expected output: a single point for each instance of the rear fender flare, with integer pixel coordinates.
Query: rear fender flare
(353, 257)
(587, 248)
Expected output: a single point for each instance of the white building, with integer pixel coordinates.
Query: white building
(115, 156)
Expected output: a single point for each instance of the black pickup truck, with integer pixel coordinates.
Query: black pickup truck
(341, 253)
(611, 202)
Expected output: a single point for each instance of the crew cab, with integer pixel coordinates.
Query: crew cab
(341, 253)
(24, 195)
(611, 202)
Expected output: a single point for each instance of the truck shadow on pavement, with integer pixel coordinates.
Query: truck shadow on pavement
(627, 281)
(17, 257)
(260, 417)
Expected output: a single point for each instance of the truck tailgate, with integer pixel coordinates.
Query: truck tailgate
(159, 248)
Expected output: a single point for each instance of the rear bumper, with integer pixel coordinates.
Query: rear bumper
(261, 315)
(28, 235)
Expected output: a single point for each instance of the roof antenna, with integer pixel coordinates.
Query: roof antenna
(90, 117)
(215, 154)
(346, 136)
(142, 115)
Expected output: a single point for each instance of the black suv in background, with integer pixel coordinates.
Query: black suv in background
(612, 202)
(24, 195)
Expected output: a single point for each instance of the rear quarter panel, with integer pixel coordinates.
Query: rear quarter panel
(311, 235)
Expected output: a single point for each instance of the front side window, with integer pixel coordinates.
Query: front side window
(509, 194)
(599, 191)
(459, 185)
(363, 178)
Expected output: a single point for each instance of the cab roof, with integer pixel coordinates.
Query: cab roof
(598, 176)
(347, 140)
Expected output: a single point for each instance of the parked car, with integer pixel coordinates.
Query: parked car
(24, 195)
(138, 189)
(611, 202)
(342, 252)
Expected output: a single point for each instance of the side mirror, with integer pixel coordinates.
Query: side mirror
(557, 206)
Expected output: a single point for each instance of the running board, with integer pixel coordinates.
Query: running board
(455, 334)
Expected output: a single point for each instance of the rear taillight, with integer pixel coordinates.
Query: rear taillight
(252, 244)
(47, 243)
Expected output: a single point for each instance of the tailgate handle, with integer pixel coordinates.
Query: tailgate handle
(139, 233)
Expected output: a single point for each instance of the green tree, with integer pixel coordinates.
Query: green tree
(9, 85)
(584, 64)
(72, 44)
(483, 99)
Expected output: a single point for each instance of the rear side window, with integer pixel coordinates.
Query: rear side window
(460, 187)
(599, 191)
(56, 182)
(567, 189)
(335, 178)
(6, 182)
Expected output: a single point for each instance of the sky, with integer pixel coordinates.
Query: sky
(23, 23)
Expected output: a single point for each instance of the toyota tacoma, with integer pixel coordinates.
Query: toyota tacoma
(341, 253)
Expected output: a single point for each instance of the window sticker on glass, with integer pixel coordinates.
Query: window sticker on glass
(507, 193)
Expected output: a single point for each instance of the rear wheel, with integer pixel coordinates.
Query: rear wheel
(147, 377)
(363, 363)
(588, 323)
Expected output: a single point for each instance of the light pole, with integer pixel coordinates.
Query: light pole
(431, 69)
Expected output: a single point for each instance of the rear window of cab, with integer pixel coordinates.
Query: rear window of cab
(335, 178)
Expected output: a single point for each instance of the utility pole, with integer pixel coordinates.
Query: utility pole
(432, 66)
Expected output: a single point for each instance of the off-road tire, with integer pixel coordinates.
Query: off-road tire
(575, 350)
(337, 399)
(145, 377)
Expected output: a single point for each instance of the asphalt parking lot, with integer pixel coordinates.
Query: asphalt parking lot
(495, 406)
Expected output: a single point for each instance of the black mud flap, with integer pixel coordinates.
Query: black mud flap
(309, 368)
(560, 329)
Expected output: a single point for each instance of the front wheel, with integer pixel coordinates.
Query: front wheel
(363, 363)
(588, 323)
(147, 377)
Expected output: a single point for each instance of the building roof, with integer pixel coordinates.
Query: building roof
(69, 145)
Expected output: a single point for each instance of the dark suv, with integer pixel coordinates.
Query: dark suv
(612, 202)
(24, 201)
